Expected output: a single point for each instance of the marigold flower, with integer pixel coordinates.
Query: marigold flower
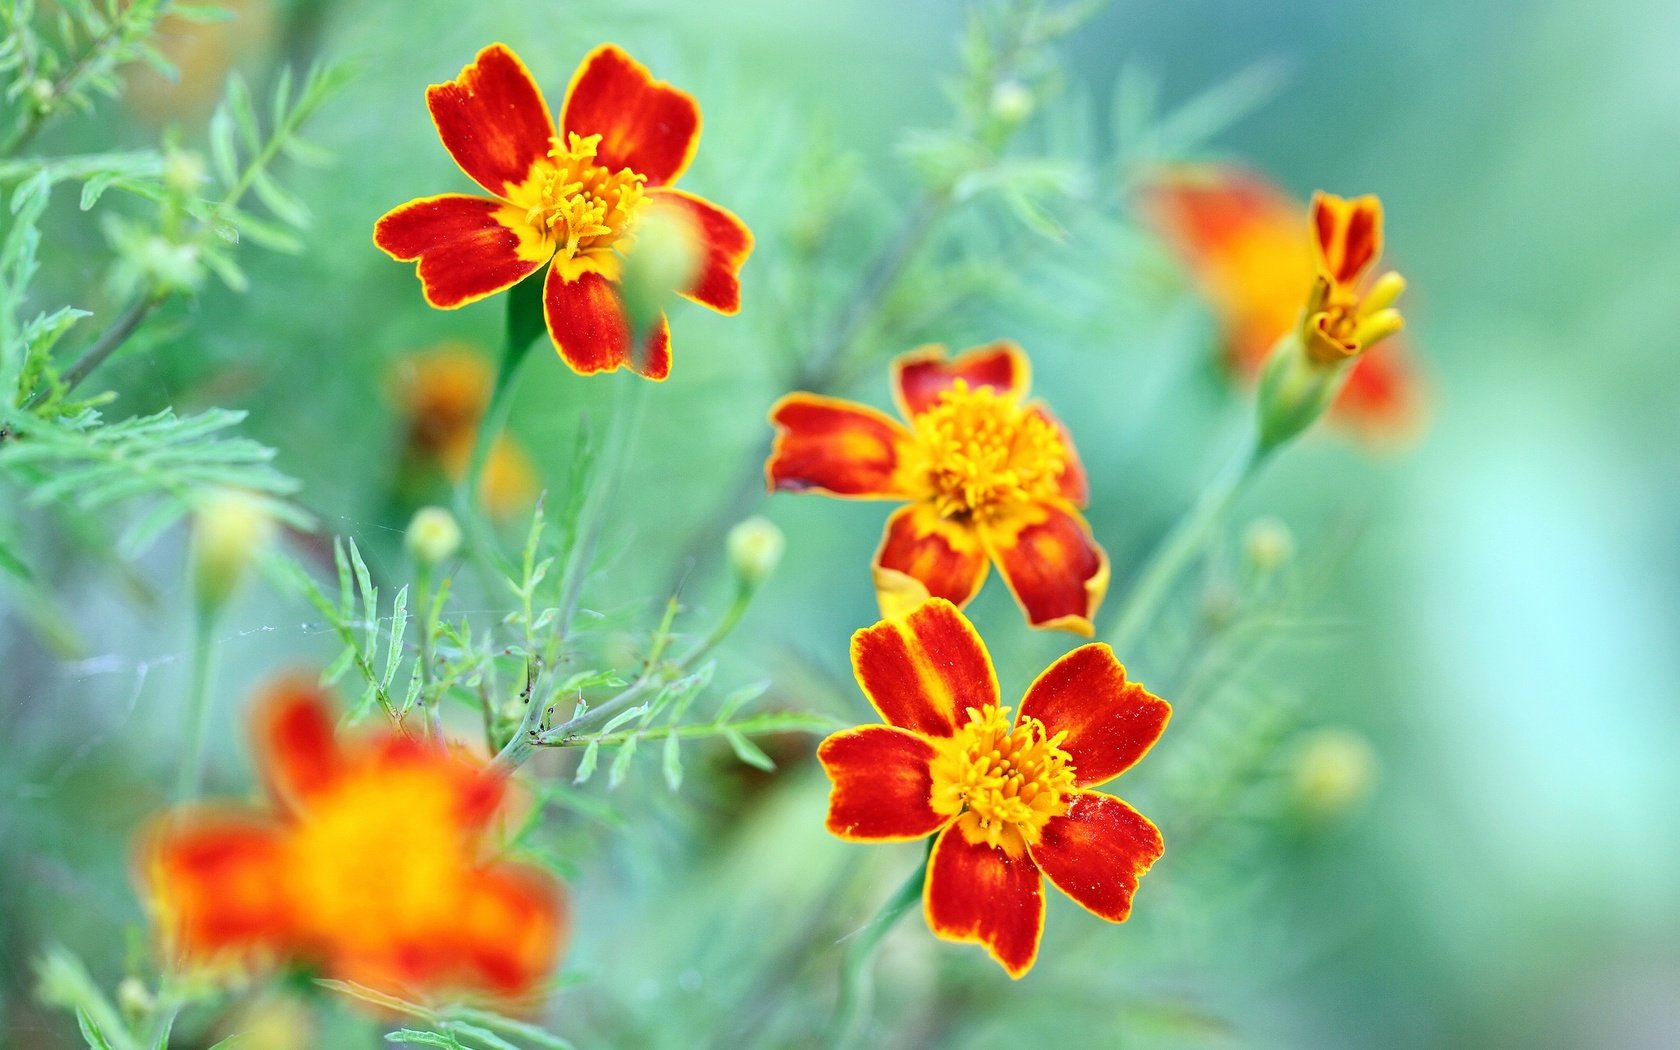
(988, 478)
(369, 866)
(1254, 253)
(443, 394)
(1007, 799)
(568, 197)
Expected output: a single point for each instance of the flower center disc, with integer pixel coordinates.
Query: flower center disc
(578, 205)
(985, 453)
(1005, 782)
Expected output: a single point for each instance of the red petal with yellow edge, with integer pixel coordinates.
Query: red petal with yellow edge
(981, 894)
(492, 119)
(587, 323)
(466, 246)
(510, 929)
(1348, 234)
(839, 448)
(1097, 851)
(214, 879)
(883, 787)
(945, 557)
(923, 670)
(726, 242)
(1052, 565)
(295, 744)
(645, 125)
(921, 375)
(1109, 721)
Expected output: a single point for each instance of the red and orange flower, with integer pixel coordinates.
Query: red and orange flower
(1255, 253)
(369, 867)
(569, 198)
(443, 394)
(988, 476)
(1008, 800)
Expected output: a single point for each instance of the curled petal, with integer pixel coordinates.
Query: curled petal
(986, 895)
(1052, 565)
(883, 786)
(923, 555)
(590, 331)
(1109, 721)
(725, 244)
(839, 448)
(645, 125)
(1348, 234)
(295, 744)
(1097, 851)
(923, 670)
(512, 924)
(467, 247)
(215, 880)
(492, 119)
(921, 375)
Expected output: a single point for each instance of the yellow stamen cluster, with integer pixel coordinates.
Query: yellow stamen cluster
(1350, 319)
(1006, 782)
(984, 453)
(577, 203)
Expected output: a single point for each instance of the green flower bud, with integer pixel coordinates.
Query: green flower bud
(230, 529)
(433, 536)
(1268, 544)
(1332, 772)
(663, 261)
(755, 549)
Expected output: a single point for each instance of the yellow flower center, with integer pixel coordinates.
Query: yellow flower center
(1004, 782)
(579, 207)
(984, 453)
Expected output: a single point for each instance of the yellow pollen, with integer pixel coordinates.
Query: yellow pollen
(1005, 781)
(985, 453)
(578, 204)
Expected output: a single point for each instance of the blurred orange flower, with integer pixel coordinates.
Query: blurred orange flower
(569, 199)
(369, 865)
(1257, 255)
(443, 394)
(988, 477)
(1007, 799)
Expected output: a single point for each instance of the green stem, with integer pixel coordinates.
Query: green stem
(1180, 546)
(524, 324)
(857, 990)
(191, 773)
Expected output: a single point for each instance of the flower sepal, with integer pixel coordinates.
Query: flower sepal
(1296, 388)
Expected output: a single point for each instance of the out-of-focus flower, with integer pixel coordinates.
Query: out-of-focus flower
(571, 200)
(370, 865)
(1008, 799)
(443, 394)
(230, 528)
(755, 549)
(203, 50)
(1256, 255)
(433, 536)
(1343, 318)
(1332, 772)
(988, 478)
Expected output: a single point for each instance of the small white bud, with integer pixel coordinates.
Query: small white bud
(433, 536)
(755, 549)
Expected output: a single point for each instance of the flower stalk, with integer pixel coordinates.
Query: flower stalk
(857, 986)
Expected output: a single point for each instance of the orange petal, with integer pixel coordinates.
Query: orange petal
(981, 894)
(1383, 399)
(727, 242)
(1348, 234)
(838, 448)
(923, 670)
(645, 125)
(1109, 721)
(214, 879)
(587, 323)
(294, 740)
(468, 247)
(1096, 852)
(492, 119)
(923, 555)
(1074, 486)
(510, 930)
(921, 375)
(883, 787)
(1052, 565)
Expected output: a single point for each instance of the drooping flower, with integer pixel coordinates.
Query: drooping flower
(1256, 255)
(442, 394)
(370, 865)
(566, 196)
(1008, 800)
(988, 478)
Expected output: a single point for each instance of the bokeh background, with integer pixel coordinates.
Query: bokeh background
(1502, 601)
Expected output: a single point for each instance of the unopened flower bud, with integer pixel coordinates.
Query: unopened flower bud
(1332, 772)
(168, 266)
(133, 998)
(230, 529)
(1011, 102)
(183, 171)
(1268, 544)
(1294, 391)
(41, 94)
(433, 536)
(755, 549)
(663, 261)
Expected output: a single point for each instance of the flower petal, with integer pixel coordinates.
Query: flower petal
(1074, 486)
(921, 375)
(214, 879)
(1109, 721)
(511, 926)
(1348, 234)
(492, 119)
(1383, 399)
(587, 323)
(468, 247)
(838, 448)
(727, 243)
(923, 670)
(1096, 852)
(295, 745)
(883, 785)
(645, 125)
(982, 894)
(923, 555)
(1052, 565)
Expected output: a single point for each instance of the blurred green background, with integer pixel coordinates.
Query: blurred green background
(1504, 596)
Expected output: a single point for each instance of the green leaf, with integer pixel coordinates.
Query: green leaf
(749, 752)
(94, 1038)
(621, 763)
(586, 765)
(673, 762)
(399, 627)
